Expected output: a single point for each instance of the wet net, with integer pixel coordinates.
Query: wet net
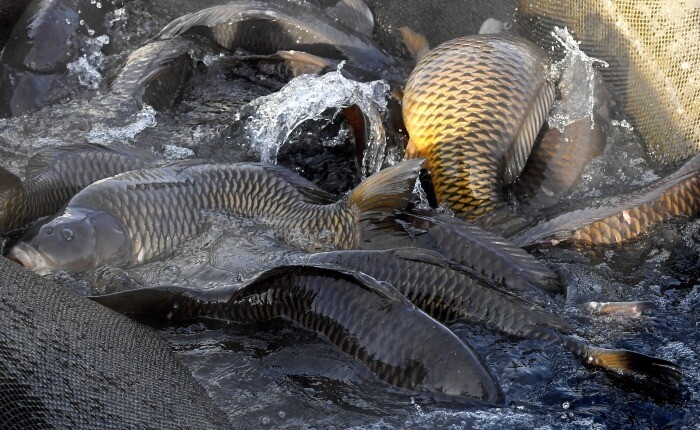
(653, 49)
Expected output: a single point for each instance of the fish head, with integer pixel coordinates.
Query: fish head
(75, 241)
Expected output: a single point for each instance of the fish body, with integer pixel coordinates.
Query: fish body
(559, 157)
(56, 174)
(488, 254)
(263, 27)
(46, 38)
(619, 219)
(364, 318)
(155, 73)
(140, 215)
(448, 291)
(473, 107)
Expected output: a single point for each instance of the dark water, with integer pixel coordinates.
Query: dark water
(276, 376)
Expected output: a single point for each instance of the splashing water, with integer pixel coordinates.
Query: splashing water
(307, 97)
(101, 133)
(87, 67)
(576, 69)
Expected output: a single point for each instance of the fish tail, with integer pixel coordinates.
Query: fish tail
(627, 363)
(12, 201)
(415, 42)
(387, 190)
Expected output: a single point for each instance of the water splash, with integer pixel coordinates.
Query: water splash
(579, 83)
(87, 67)
(103, 134)
(173, 152)
(307, 97)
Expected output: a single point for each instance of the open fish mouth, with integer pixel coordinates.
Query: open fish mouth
(30, 258)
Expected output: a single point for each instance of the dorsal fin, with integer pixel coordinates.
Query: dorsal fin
(416, 43)
(46, 157)
(308, 189)
(354, 14)
(517, 153)
(8, 181)
(492, 26)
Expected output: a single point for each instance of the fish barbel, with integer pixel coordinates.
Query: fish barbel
(473, 107)
(140, 215)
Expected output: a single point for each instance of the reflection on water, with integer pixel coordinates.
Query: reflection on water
(275, 376)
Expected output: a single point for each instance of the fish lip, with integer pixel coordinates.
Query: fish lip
(28, 257)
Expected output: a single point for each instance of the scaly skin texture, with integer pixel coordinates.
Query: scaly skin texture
(487, 254)
(473, 107)
(618, 219)
(65, 171)
(428, 281)
(161, 208)
(363, 318)
(682, 199)
(267, 27)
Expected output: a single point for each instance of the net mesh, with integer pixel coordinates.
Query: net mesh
(653, 48)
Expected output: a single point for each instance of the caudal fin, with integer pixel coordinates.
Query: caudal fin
(416, 43)
(625, 362)
(387, 190)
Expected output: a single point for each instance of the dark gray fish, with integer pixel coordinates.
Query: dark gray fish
(263, 27)
(364, 318)
(45, 39)
(69, 363)
(56, 174)
(447, 291)
(140, 215)
(618, 219)
(489, 255)
(155, 73)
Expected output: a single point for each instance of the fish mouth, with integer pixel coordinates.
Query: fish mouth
(30, 258)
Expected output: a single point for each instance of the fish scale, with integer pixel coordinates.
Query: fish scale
(682, 199)
(426, 279)
(55, 174)
(617, 219)
(380, 335)
(143, 214)
(473, 107)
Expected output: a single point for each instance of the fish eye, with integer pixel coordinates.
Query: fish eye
(67, 234)
(49, 230)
